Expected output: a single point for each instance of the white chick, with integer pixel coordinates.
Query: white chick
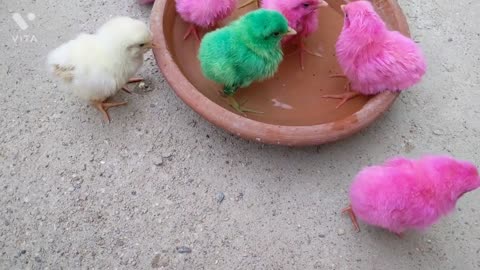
(97, 66)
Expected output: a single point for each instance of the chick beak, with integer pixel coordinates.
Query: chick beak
(290, 32)
(152, 46)
(322, 3)
(343, 8)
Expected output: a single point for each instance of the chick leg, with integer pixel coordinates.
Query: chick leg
(303, 49)
(192, 30)
(239, 107)
(352, 217)
(135, 80)
(132, 80)
(126, 90)
(250, 2)
(104, 106)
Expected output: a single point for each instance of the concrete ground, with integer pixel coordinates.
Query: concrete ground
(141, 192)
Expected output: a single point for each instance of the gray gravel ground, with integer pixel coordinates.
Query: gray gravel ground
(146, 190)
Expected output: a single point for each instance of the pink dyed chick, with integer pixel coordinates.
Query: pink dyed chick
(205, 13)
(373, 58)
(302, 16)
(145, 2)
(407, 194)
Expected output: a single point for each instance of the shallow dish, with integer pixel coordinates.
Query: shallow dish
(295, 113)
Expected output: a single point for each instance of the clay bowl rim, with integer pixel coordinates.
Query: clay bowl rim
(260, 131)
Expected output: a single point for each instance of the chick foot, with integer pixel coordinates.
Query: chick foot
(349, 94)
(250, 2)
(344, 97)
(239, 107)
(192, 29)
(350, 212)
(132, 80)
(104, 106)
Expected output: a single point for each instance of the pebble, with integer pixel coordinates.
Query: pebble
(167, 155)
(239, 197)
(184, 250)
(321, 235)
(158, 162)
(340, 232)
(438, 132)
(156, 261)
(37, 259)
(119, 243)
(220, 197)
(78, 184)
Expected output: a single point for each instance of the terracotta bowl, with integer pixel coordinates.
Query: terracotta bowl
(294, 112)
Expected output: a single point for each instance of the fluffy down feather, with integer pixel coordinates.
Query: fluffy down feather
(302, 15)
(76, 62)
(244, 51)
(97, 66)
(205, 13)
(407, 194)
(374, 58)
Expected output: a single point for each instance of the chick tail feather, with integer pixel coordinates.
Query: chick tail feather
(65, 73)
(58, 64)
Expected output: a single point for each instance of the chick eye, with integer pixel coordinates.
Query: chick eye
(276, 34)
(142, 45)
(306, 5)
(346, 15)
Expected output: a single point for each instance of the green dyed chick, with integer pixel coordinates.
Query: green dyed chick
(246, 50)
